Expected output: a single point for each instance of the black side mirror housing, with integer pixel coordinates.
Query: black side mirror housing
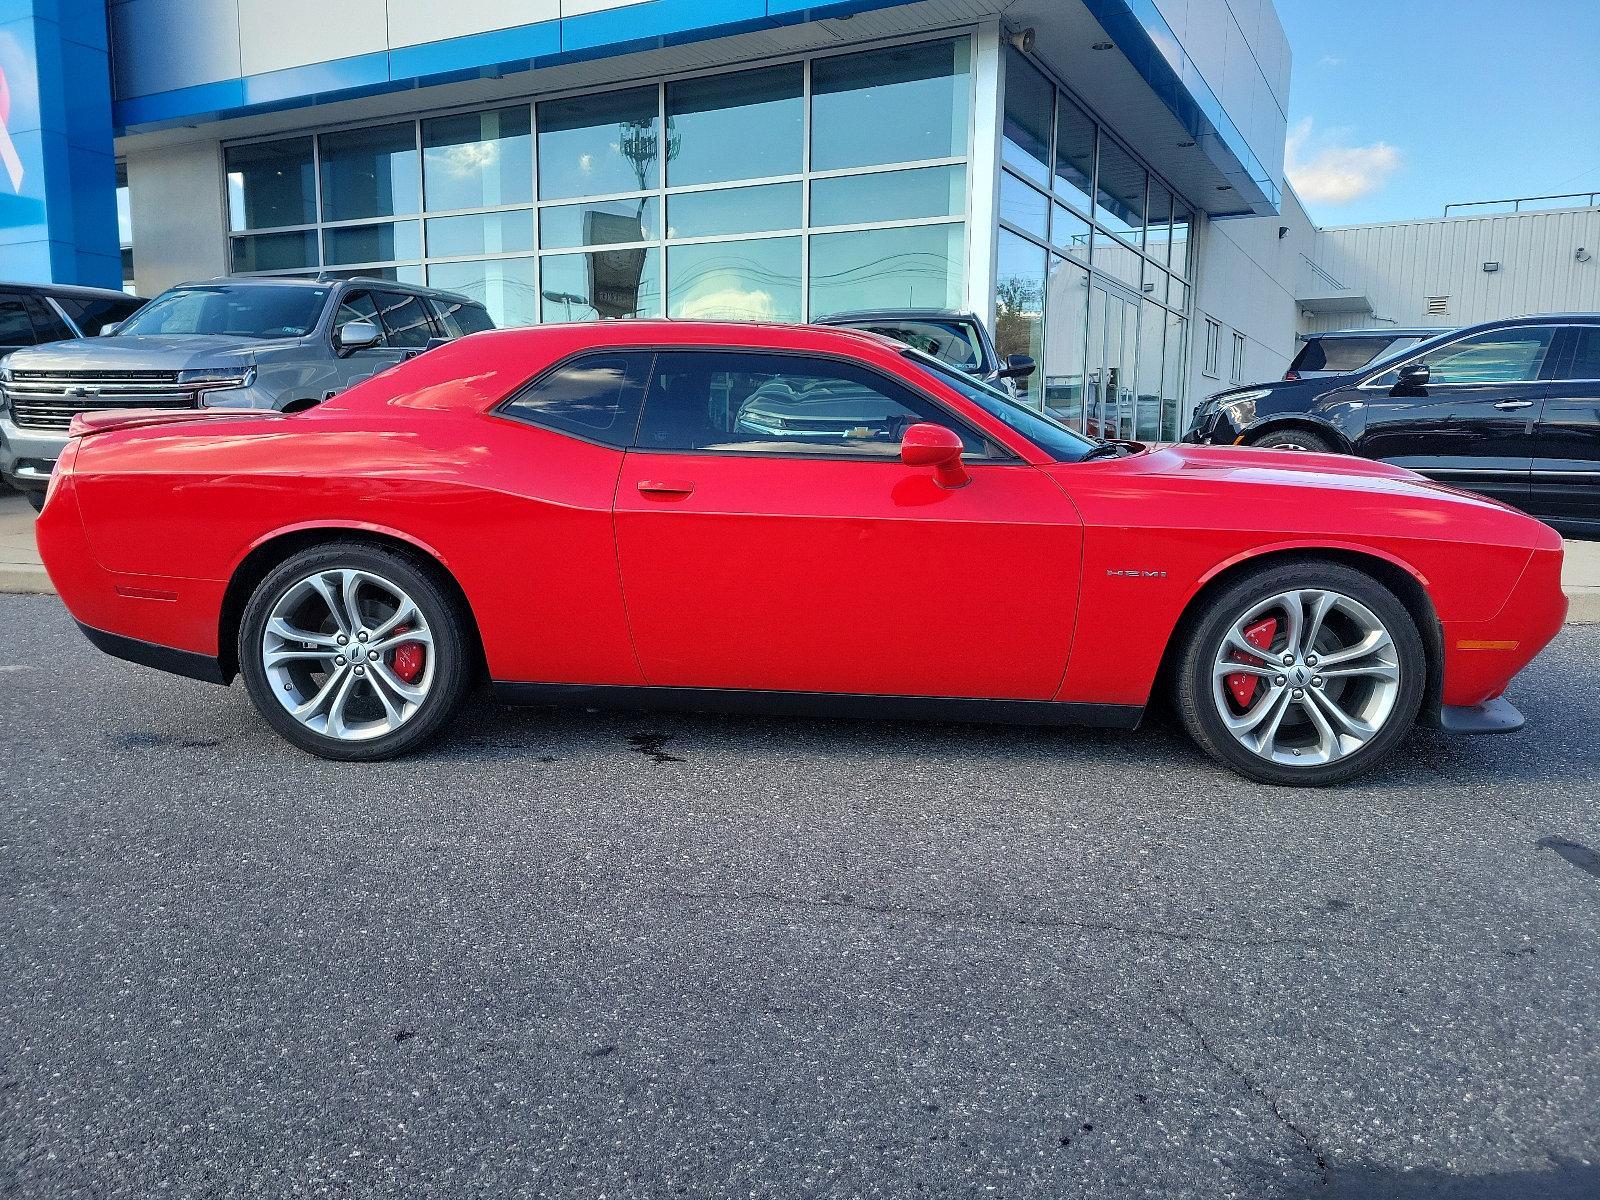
(1018, 366)
(1413, 377)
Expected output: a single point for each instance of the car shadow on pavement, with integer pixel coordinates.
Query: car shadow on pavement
(1567, 1179)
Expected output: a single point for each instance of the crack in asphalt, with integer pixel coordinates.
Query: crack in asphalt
(1308, 1140)
(847, 902)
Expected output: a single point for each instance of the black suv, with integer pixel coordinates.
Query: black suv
(34, 313)
(1508, 408)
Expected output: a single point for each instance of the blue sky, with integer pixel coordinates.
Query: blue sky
(1399, 107)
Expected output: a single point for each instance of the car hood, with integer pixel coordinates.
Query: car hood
(143, 353)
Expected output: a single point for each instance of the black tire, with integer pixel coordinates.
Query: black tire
(453, 664)
(1197, 703)
(35, 498)
(1295, 439)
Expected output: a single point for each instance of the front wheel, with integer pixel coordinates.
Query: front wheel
(353, 652)
(1294, 439)
(1306, 673)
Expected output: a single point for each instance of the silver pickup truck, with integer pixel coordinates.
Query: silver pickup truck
(281, 343)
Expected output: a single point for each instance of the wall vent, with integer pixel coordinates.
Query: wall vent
(1438, 306)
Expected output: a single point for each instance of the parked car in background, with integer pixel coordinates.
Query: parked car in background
(957, 338)
(614, 512)
(1351, 349)
(32, 314)
(1507, 408)
(274, 343)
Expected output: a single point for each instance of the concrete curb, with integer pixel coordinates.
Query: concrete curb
(25, 581)
(1583, 605)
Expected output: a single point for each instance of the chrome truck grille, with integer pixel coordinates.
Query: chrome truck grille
(48, 400)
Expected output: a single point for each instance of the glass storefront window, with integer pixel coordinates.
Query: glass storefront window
(1179, 257)
(900, 104)
(1119, 192)
(727, 211)
(478, 160)
(1070, 231)
(601, 223)
(914, 266)
(481, 233)
(747, 125)
(1024, 207)
(1074, 173)
(1030, 103)
(600, 284)
(1158, 224)
(889, 196)
(371, 243)
(753, 280)
(1019, 307)
(1172, 377)
(1147, 400)
(1066, 312)
(370, 172)
(504, 286)
(271, 184)
(599, 145)
(1117, 260)
(275, 251)
(407, 274)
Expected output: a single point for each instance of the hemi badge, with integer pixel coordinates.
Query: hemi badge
(1474, 644)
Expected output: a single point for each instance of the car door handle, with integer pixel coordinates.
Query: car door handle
(1512, 405)
(665, 487)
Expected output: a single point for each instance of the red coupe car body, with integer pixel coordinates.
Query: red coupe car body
(587, 566)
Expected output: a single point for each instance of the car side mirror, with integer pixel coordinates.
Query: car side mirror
(109, 328)
(1018, 366)
(1413, 378)
(356, 335)
(928, 445)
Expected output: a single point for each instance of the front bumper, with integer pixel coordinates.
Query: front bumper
(28, 455)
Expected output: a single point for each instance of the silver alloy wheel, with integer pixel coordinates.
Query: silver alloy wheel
(328, 650)
(1323, 688)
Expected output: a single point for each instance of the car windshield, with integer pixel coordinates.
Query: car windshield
(232, 310)
(953, 342)
(1050, 435)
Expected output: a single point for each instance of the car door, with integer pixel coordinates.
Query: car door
(770, 538)
(1471, 424)
(352, 367)
(1566, 456)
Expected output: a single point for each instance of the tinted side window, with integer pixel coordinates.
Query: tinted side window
(1585, 362)
(782, 404)
(1493, 356)
(458, 317)
(94, 315)
(596, 397)
(358, 306)
(47, 322)
(405, 320)
(16, 326)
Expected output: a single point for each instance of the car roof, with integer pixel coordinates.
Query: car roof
(1414, 331)
(71, 289)
(327, 282)
(897, 314)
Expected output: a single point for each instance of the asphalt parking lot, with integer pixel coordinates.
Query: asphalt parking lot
(580, 954)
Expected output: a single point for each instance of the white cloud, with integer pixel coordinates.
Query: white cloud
(1330, 60)
(1323, 170)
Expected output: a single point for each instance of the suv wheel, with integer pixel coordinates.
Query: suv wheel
(1294, 439)
(1306, 673)
(353, 652)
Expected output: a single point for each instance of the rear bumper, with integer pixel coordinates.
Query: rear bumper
(187, 663)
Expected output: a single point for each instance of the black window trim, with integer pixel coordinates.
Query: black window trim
(1555, 327)
(1569, 356)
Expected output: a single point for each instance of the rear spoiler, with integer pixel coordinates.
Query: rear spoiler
(105, 420)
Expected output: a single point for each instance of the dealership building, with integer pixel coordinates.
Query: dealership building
(1058, 166)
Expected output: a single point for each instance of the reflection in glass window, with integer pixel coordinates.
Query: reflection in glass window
(1030, 101)
(1498, 356)
(1119, 192)
(1158, 223)
(953, 341)
(1019, 306)
(595, 397)
(371, 243)
(748, 125)
(406, 274)
(727, 211)
(600, 223)
(598, 145)
(899, 104)
(889, 196)
(1023, 206)
(755, 280)
(918, 266)
(1070, 231)
(1118, 260)
(1074, 176)
(782, 404)
(275, 251)
(1066, 303)
(273, 183)
(1178, 256)
(1146, 425)
(370, 172)
(504, 286)
(481, 233)
(478, 160)
(406, 320)
(600, 284)
(1172, 376)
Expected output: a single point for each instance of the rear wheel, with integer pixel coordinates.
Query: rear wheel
(1306, 673)
(1294, 439)
(353, 652)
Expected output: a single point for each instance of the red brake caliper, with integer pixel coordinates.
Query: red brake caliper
(1242, 686)
(407, 659)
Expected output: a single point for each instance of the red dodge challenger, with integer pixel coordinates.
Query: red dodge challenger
(783, 518)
